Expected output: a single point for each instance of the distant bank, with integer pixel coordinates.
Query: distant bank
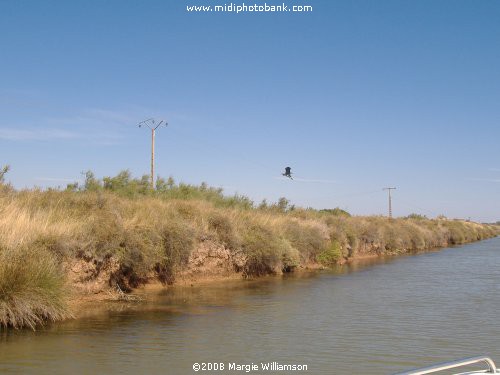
(111, 236)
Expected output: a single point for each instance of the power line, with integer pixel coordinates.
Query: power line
(152, 125)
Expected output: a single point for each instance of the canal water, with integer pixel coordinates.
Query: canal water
(376, 317)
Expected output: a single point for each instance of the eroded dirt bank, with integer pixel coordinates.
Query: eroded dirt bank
(208, 264)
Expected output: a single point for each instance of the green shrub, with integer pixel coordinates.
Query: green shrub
(331, 255)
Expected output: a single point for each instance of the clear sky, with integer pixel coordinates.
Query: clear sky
(355, 96)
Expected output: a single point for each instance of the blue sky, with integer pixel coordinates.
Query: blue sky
(354, 96)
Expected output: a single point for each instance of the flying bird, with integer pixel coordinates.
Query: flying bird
(288, 173)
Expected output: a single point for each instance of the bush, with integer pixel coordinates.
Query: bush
(266, 252)
(31, 288)
(307, 240)
(178, 242)
(457, 233)
(331, 255)
(345, 232)
(224, 230)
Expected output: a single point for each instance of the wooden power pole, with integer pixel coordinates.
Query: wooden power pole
(390, 200)
(152, 125)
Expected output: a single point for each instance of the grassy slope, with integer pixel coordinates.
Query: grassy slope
(135, 235)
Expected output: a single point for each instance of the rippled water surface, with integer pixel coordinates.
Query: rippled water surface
(378, 317)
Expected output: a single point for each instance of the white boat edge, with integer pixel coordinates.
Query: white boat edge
(492, 369)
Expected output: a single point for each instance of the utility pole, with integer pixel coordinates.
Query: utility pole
(390, 201)
(152, 124)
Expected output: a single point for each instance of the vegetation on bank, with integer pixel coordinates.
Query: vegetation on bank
(122, 227)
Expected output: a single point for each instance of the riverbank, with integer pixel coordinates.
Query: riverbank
(93, 244)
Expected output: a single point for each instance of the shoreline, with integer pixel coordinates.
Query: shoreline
(154, 286)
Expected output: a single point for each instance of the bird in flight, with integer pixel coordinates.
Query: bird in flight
(288, 173)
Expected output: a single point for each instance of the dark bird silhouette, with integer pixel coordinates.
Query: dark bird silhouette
(288, 173)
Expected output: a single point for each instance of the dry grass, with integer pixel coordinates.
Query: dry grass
(31, 288)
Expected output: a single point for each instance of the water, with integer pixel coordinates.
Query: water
(377, 317)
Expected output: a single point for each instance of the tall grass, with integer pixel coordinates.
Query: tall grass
(31, 288)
